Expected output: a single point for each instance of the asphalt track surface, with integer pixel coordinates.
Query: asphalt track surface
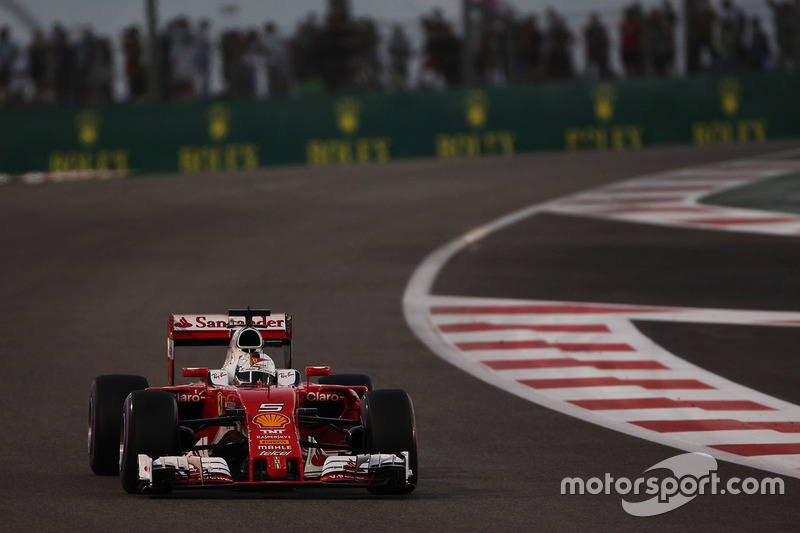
(91, 270)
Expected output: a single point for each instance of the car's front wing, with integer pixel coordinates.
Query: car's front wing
(190, 471)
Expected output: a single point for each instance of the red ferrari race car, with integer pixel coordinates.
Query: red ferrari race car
(250, 424)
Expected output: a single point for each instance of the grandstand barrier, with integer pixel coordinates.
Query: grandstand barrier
(226, 135)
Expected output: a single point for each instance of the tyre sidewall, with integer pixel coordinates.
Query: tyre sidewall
(149, 426)
(106, 398)
(390, 427)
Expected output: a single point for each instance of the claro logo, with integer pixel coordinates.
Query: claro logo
(189, 397)
(324, 397)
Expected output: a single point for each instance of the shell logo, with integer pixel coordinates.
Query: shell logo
(271, 420)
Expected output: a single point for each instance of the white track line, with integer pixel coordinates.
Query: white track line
(589, 361)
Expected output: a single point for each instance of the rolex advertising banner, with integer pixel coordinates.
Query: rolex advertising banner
(226, 135)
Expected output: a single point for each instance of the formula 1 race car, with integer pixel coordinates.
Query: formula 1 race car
(250, 424)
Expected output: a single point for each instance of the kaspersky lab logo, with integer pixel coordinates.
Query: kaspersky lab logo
(693, 474)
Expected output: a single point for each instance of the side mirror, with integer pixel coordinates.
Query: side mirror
(196, 373)
(317, 371)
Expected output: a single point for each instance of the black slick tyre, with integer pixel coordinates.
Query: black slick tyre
(149, 427)
(390, 427)
(106, 397)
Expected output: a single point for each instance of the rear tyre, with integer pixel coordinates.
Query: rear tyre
(348, 380)
(390, 427)
(107, 395)
(149, 427)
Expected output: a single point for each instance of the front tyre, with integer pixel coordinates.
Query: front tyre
(149, 427)
(390, 427)
(107, 395)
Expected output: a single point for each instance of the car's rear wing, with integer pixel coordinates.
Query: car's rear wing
(217, 330)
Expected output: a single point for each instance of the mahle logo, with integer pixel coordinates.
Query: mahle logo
(730, 91)
(88, 125)
(603, 97)
(693, 474)
(348, 111)
(476, 104)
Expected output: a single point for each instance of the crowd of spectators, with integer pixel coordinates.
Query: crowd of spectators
(56, 70)
(718, 40)
(727, 39)
(343, 53)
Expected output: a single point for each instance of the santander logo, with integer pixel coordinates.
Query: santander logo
(223, 321)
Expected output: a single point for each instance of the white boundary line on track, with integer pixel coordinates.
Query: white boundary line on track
(418, 300)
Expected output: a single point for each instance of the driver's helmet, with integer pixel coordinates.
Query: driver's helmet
(256, 370)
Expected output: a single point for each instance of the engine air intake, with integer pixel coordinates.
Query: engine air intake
(249, 339)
